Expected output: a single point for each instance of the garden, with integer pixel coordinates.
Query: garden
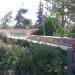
(27, 58)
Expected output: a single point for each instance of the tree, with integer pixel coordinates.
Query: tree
(71, 13)
(6, 19)
(58, 8)
(22, 22)
(39, 14)
(65, 10)
(51, 25)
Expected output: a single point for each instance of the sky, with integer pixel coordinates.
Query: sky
(14, 5)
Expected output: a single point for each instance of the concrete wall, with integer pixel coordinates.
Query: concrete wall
(65, 41)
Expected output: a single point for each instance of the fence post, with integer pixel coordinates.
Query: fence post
(69, 61)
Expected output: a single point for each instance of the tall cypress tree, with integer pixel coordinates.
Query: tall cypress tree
(39, 14)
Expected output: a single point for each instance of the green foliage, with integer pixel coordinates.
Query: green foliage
(62, 32)
(39, 15)
(52, 27)
(22, 22)
(6, 20)
(58, 9)
(36, 59)
(21, 43)
(3, 60)
(46, 59)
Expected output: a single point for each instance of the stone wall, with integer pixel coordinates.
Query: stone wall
(65, 41)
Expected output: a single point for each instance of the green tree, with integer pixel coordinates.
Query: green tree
(58, 8)
(22, 22)
(39, 14)
(51, 25)
(6, 19)
(65, 10)
(71, 13)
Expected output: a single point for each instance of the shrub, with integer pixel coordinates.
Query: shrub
(52, 26)
(36, 59)
(21, 43)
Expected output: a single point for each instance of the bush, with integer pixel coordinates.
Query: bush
(62, 32)
(36, 59)
(47, 59)
(52, 27)
(3, 60)
(21, 43)
(41, 60)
